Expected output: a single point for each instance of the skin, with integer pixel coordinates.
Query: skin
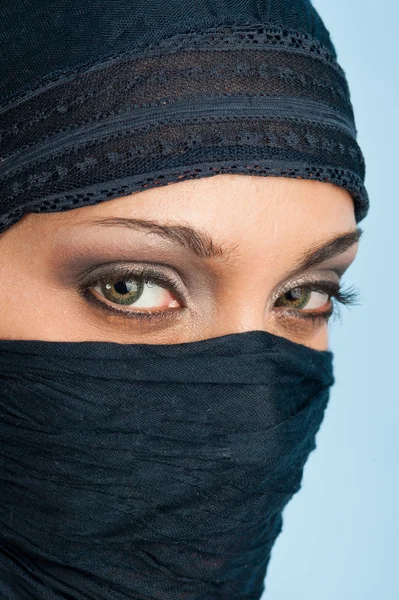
(264, 224)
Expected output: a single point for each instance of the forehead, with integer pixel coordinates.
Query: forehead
(273, 218)
(239, 204)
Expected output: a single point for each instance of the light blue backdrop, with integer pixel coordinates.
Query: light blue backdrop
(340, 538)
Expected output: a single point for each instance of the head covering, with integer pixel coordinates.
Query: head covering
(102, 99)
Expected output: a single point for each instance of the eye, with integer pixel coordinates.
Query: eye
(304, 298)
(306, 302)
(138, 293)
(131, 288)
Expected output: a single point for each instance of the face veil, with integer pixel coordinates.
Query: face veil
(151, 471)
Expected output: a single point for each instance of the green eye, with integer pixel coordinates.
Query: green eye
(314, 301)
(296, 298)
(123, 292)
(136, 290)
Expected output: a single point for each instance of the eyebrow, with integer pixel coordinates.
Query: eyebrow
(319, 253)
(203, 246)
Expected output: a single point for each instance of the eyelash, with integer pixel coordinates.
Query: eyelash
(337, 294)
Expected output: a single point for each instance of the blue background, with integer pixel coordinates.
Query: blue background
(340, 537)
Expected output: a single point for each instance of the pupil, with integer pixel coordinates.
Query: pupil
(296, 293)
(122, 288)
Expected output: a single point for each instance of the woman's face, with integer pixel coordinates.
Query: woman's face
(73, 276)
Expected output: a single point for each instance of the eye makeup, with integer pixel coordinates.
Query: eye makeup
(191, 281)
(151, 273)
(143, 275)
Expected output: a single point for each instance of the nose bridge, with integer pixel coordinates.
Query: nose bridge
(250, 316)
(246, 281)
(243, 306)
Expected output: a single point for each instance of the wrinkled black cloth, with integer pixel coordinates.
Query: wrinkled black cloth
(151, 472)
(102, 99)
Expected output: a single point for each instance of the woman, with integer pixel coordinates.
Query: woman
(181, 189)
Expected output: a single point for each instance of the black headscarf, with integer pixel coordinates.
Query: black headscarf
(101, 99)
